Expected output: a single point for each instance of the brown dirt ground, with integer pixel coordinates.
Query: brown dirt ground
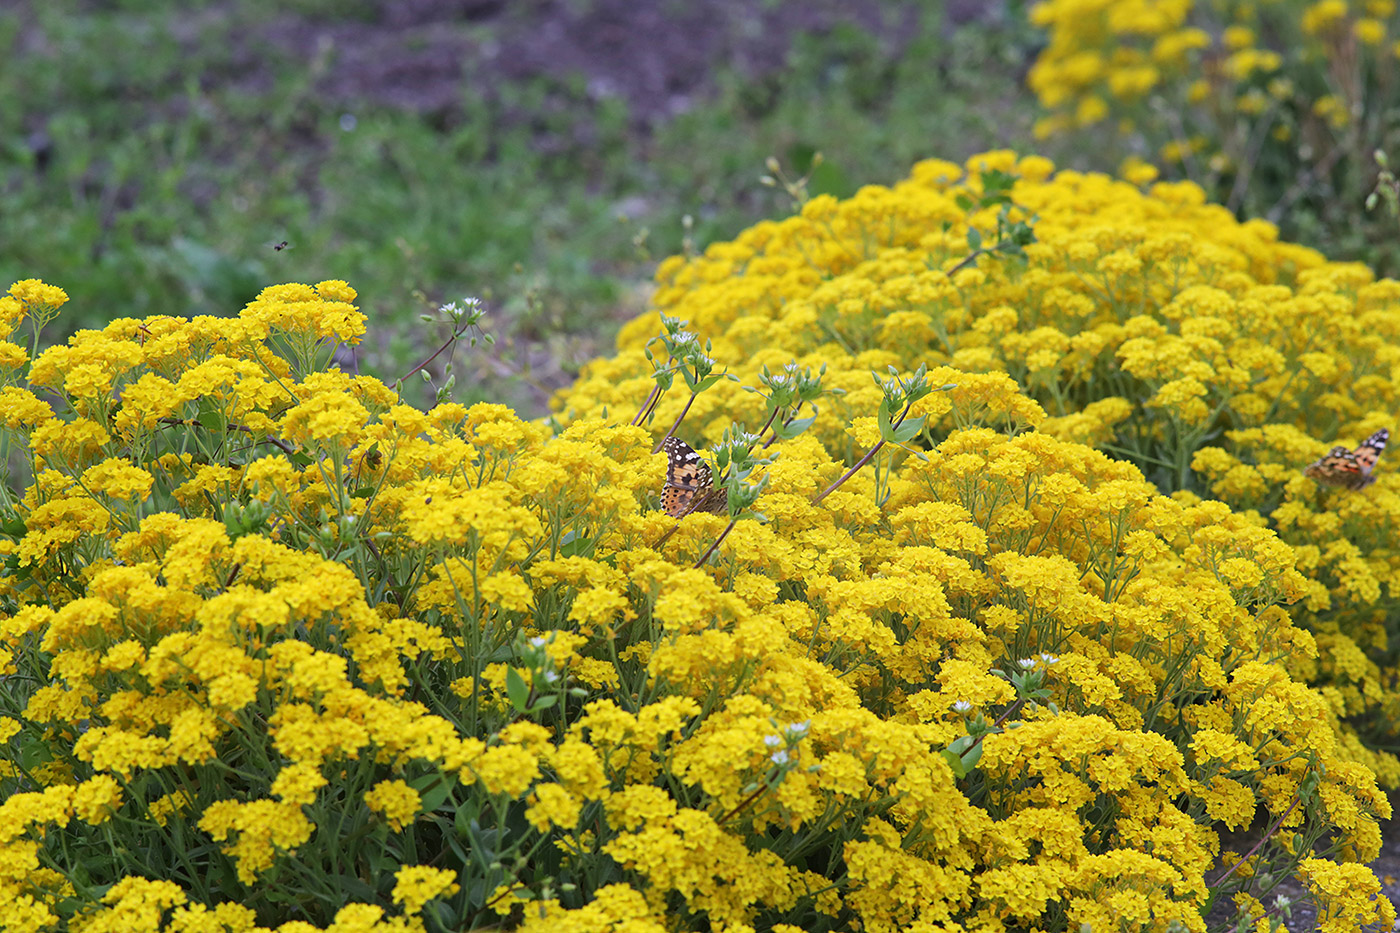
(658, 55)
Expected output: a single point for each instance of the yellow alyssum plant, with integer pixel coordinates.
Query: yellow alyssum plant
(1271, 106)
(1148, 324)
(281, 652)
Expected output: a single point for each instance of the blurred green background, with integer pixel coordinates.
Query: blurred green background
(539, 155)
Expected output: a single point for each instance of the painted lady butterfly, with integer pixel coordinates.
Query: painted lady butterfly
(689, 482)
(1349, 468)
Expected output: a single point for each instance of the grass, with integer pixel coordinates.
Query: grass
(156, 160)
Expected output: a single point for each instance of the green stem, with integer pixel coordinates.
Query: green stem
(861, 462)
(675, 424)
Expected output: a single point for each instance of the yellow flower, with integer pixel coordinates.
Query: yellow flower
(1237, 37)
(261, 829)
(162, 808)
(298, 782)
(508, 770)
(329, 420)
(398, 803)
(20, 408)
(436, 512)
(1322, 16)
(552, 805)
(324, 312)
(12, 356)
(507, 590)
(1369, 31)
(119, 479)
(825, 666)
(415, 885)
(1138, 172)
(96, 799)
(33, 294)
(1184, 399)
(1349, 895)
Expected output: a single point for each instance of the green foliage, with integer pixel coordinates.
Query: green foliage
(172, 193)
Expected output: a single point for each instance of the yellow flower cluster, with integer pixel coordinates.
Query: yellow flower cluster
(1107, 53)
(284, 653)
(1219, 88)
(1103, 52)
(1147, 324)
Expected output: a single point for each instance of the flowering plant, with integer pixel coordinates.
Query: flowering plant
(284, 653)
(1275, 108)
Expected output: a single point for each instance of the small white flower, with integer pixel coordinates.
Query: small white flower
(772, 741)
(550, 676)
(779, 758)
(962, 706)
(1026, 663)
(538, 641)
(1049, 658)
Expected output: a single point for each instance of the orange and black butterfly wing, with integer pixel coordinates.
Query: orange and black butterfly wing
(1369, 452)
(1350, 469)
(689, 482)
(711, 499)
(1337, 468)
(687, 478)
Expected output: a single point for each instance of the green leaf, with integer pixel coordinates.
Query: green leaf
(788, 431)
(454, 842)
(446, 917)
(971, 757)
(352, 888)
(909, 429)
(210, 415)
(499, 654)
(573, 544)
(954, 762)
(517, 690)
(433, 789)
(463, 819)
(708, 381)
(883, 418)
(974, 239)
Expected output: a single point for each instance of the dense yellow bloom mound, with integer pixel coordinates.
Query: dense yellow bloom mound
(1148, 324)
(1105, 57)
(284, 653)
(1278, 107)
